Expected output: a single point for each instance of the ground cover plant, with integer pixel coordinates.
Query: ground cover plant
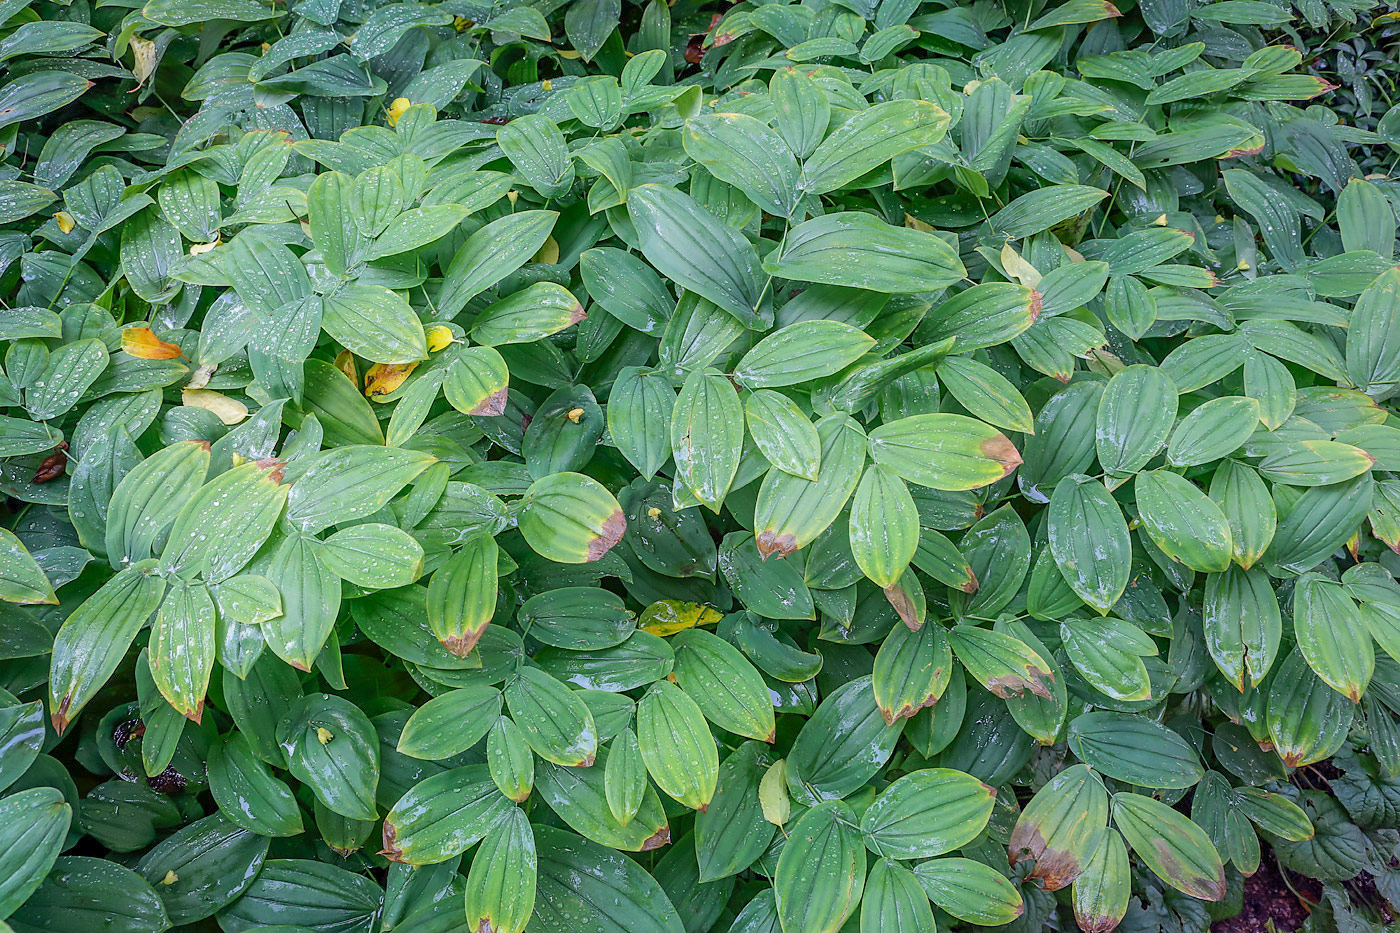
(869, 465)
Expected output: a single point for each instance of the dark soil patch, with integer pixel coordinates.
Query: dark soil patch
(1266, 898)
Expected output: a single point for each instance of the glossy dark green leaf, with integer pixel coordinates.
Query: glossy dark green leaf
(1089, 540)
(330, 745)
(443, 816)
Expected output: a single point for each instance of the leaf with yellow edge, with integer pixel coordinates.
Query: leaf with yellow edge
(141, 342)
(383, 378)
(669, 616)
(229, 410)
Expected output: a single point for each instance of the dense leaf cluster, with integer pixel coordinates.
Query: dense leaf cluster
(875, 465)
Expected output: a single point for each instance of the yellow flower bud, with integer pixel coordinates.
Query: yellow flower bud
(398, 108)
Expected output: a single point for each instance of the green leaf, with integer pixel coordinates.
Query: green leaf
(984, 316)
(1108, 653)
(701, 253)
(555, 722)
(310, 601)
(94, 639)
(1213, 430)
(33, 824)
(579, 796)
(540, 310)
(578, 618)
(676, 745)
(330, 746)
(732, 833)
(970, 891)
(353, 482)
(927, 813)
(707, 436)
(181, 651)
(22, 580)
(821, 871)
(81, 892)
(843, 744)
(1332, 635)
(248, 793)
(1135, 750)
(1183, 522)
(859, 250)
(1089, 540)
(869, 139)
(782, 433)
(450, 723)
(372, 555)
(571, 518)
(884, 526)
(510, 760)
(374, 323)
(793, 511)
(305, 895)
(1176, 849)
(741, 151)
(489, 255)
(148, 499)
(1243, 626)
(462, 595)
(894, 901)
(501, 882)
(639, 418)
(443, 816)
(32, 95)
(801, 352)
(626, 288)
(223, 524)
(582, 884)
(1136, 413)
(729, 691)
(203, 867)
(1043, 208)
(986, 394)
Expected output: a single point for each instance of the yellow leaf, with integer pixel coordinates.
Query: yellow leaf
(669, 616)
(1018, 268)
(398, 108)
(142, 342)
(773, 794)
(345, 362)
(914, 223)
(548, 253)
(65, 221)
(144, 58)
(383, 378)
(229, 410)
(199, 249)
(439, 336)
